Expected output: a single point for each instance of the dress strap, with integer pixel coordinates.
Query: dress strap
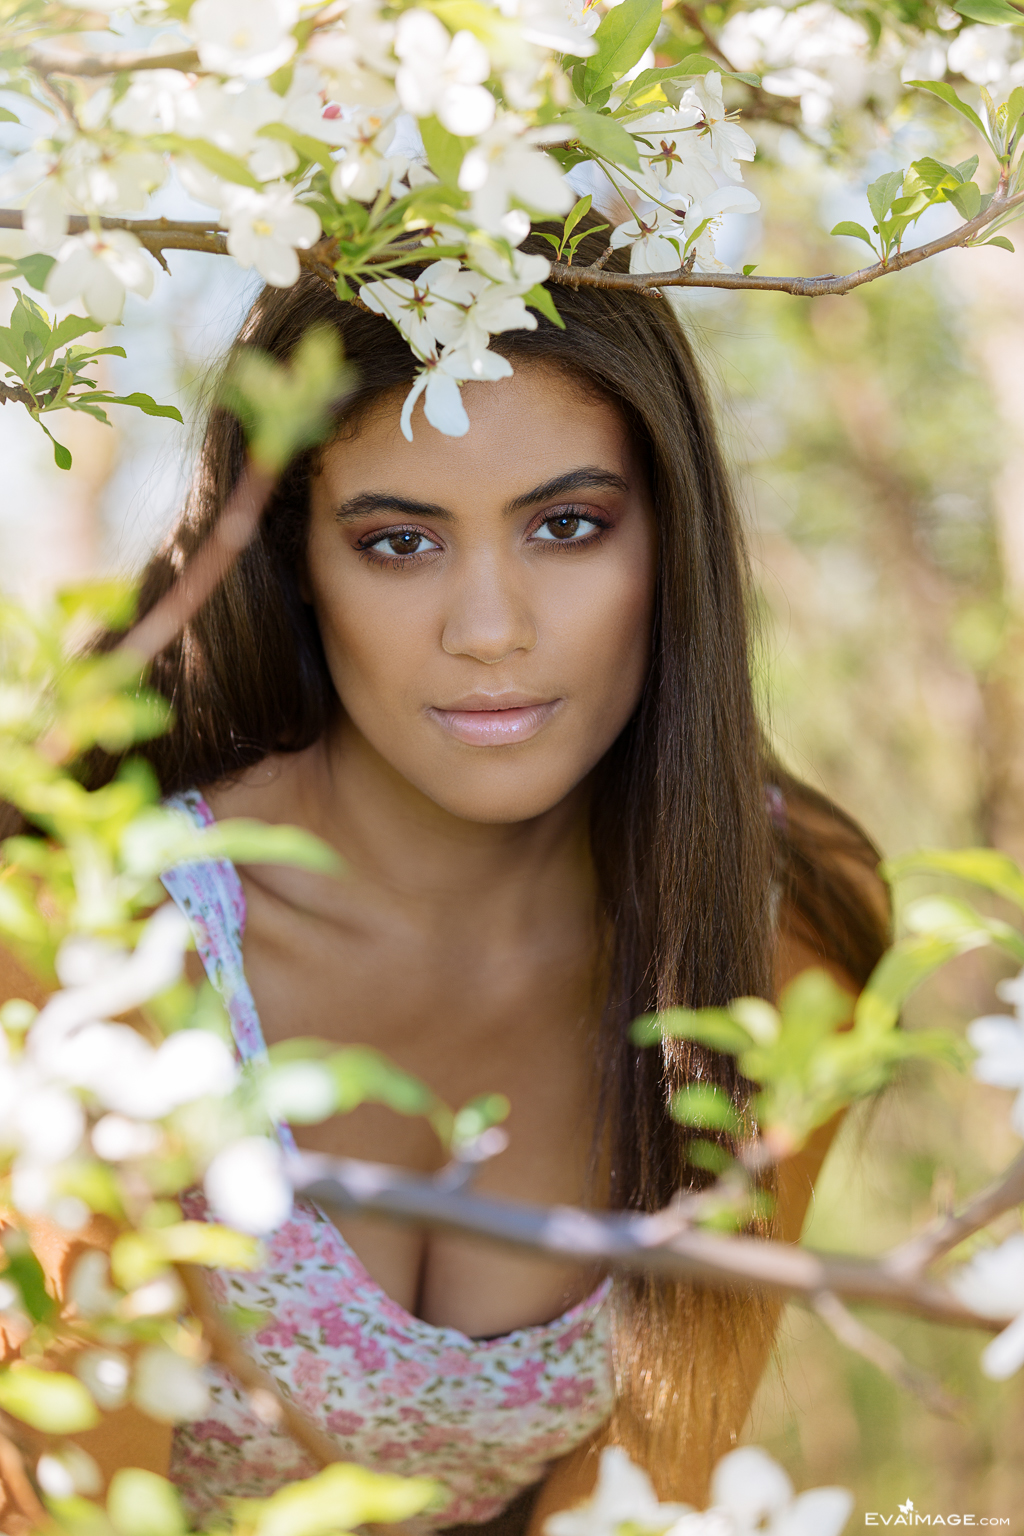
(210, 895)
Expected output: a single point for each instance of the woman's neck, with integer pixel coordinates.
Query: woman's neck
(411, 853)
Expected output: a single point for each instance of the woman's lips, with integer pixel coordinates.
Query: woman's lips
(495, 725)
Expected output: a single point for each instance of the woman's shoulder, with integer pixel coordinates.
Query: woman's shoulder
(834, 907)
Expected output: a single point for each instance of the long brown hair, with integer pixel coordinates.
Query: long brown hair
(696, 832)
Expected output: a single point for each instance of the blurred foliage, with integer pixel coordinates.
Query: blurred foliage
(868, 438)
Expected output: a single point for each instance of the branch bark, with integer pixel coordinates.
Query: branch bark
(64, 61)
(1003, 1194)
(629, 1242)
(800, 287)
(233, 530)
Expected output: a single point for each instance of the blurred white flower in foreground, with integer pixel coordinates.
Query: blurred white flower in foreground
(438, 381)
(750, 1493)
(999, 1040)
(247, 1187)
(100, 269)
(992, 1283)
(250, 38)
(988, 56)
(265, 227)
(168, 1387)
(443, 76)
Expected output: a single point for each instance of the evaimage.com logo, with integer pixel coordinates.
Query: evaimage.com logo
(908, 1515)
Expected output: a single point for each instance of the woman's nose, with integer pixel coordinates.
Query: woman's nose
(489, 617)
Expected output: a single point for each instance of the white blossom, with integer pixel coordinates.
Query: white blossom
(750, 1493)
(67, 1470)
(366, 166)
(248, 38)
(167, 1387)
(729, 143)
(983, 54)
(264, 228)
(354, 57)
(441, 75)
(673, 156)
(814, 52)
(992, 1283)
(438, 382)
(505, 165)
(999, 1040)
(247, 1187)
(659, 234)
(106, 1373)
(622, 1495)
(468, 309)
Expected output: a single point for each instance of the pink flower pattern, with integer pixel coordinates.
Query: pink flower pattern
(484, 1417)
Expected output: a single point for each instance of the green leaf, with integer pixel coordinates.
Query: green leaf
(35, 269)
(855, 231)
(538, 297)
(340, 1498)
(7, 116)
(70, 328)
(48, 1400)
(142, 1503)
(1014, 109)
(215, 159)
(712, 1027)
(995, 13)
(882, 192)
(445, 152)
(986, 867)
(603, 135)
(623, 37)
(693, 64)
(966, 199)
(749, 269)
(579, 210)
(1001, 241)
(947, 94)
(24, 1271)
(302, 143)
(202, 1242)
(146, 404)
(704, 1107)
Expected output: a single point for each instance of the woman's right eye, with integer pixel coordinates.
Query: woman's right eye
(402, 541)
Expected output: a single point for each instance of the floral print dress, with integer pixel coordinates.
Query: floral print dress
(484, 1417)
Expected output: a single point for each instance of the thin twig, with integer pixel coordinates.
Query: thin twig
(63, 61)
(227, 1349)
(1004, 1194)
(232, 532)
(849, 1330)
(626, 1241)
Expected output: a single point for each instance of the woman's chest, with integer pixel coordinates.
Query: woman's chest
(465, 1019)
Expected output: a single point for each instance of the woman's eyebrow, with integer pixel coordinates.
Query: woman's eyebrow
(591, 477)
(383, 501)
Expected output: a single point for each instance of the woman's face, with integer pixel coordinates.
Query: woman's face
(485, 602)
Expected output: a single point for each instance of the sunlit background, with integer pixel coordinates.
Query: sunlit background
(878, 442)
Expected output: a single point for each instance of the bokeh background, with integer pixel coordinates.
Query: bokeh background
(878, 443)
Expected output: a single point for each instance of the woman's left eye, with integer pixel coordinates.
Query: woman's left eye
(566, 528)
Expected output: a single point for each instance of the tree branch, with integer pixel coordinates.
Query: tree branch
(232, 532)
(801, 287)
(626, 1241)
(64, 61)
(17, 394)
(266, 1397)
(1004, 1194)
(849, 1330)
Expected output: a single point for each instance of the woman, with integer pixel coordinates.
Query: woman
(507, 677)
